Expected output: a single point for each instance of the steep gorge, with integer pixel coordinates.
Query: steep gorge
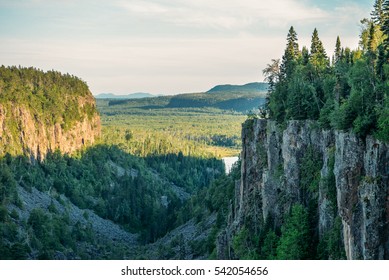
(334, 175)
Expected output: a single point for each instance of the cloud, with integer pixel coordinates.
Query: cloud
(144, 8)
(165, 46)
(224, 14)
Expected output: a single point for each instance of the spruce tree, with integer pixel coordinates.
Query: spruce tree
(304, 56)
(318, 54)
(371, 44)
(377, 14)
(291, 53)
(294, 241)
(385, 24)
(381, 60)
(338, 50)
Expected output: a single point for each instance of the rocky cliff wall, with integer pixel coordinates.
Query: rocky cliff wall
(24, 132)
(340, 175)
(361, 172)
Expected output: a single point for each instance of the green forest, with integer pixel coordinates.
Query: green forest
(157, 171)
(113, 184)
(150, 172)
(44, 94)
(347, 91)
(203, 132)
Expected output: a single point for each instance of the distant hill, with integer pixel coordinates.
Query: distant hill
(127, 96)
(242, 102)
(251, 87)
(238, 98)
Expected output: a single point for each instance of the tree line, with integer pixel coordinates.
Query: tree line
(347, 91)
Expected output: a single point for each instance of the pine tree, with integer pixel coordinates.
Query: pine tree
(318, 54)
(381, 60)
(293, 244)
(291, 53)
(279, 95)
(371, 46)
(385, 23)
(304, 56)
(292, 45)
(377, 14)
(338, 50)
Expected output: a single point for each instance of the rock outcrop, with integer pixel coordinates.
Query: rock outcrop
(346, 177)
(22, 131)
(361, 172)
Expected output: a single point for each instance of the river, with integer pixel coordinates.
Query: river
(229, 162)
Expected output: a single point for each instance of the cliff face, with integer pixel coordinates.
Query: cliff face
(361, 171)
(334, 173)
(23, 131)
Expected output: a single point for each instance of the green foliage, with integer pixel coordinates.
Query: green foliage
(293, 244)
(250, 87)
(7, 183)
(318, 56)
(291, 54)
(199, 132)
(325, 114)
(45, 98)
(50, 96)
(3, 214)
(176, 169)
(310, 167)
(239, 101)
(116, 186)
(216, 198)
(331, 246)
(158, 154)
(269, 246)
(245, 244)
(383, 122)
(349, 94)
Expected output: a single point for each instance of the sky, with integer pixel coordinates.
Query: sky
(167, 46)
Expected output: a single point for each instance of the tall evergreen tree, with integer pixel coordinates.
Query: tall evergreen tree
(377, 14)
(381, 60)
(318, 54)
(293, 244)
(371, 44)
(338, 50)
(304, 55)
(291, 53)
(385, 23)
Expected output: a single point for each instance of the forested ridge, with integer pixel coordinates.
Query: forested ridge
(317, 167)
(238, 101)
(347, 91)
(44, 93)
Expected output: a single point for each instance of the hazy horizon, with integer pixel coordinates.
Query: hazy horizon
(165, 94)
(167, 46)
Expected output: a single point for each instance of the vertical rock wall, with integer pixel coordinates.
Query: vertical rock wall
(353, 184)
(21, 131)
(361, 171)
